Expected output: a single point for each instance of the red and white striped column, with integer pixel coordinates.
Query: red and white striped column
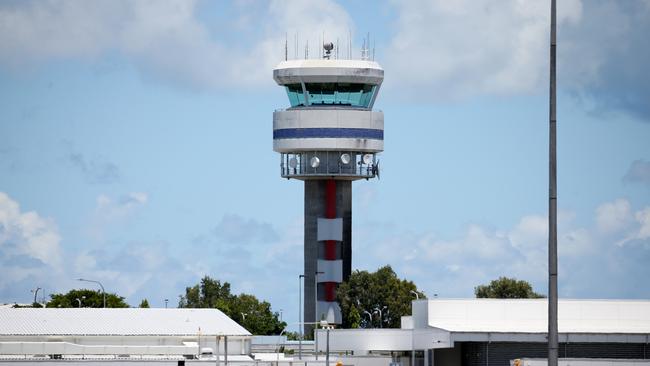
(330, 262)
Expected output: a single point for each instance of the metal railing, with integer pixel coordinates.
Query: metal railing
(329, 164)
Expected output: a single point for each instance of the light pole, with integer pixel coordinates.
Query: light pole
(552, 200)
(417, 296)
(100, 285)
(79, 300)
(369, 317)
(36, 293)
(316, 310)
(381, 317)
(166, 301)
(300, 325)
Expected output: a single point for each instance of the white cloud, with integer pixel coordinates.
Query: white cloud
(166, 40)
(27, 233)
(463, 48)
(444, 49)
(110, 209)
(29, 244)
(613, 216)
(608, 259)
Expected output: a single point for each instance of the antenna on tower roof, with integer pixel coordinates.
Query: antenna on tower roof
(286, 46)
(337, 48)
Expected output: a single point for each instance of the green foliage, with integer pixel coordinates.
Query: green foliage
(354, 318)
(254, 315)
(364, 292)
(144, 304)
(506, 288)
(292, 336)
(88, 298)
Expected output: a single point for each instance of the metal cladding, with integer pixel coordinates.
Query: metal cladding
(328, 137)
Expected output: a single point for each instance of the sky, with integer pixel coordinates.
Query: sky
(136, 145)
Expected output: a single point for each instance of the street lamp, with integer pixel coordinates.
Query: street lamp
(417, 296)
(36, 293)
(100, 285)
(369, 316)
(79, 300)
(300, 325)
(316, 310)
(166, 301)
(381, 318)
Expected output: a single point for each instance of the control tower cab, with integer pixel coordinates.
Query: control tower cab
(328, 137)
(330, 130)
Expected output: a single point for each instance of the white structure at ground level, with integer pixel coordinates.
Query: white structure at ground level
(494, 331)
(131, 331)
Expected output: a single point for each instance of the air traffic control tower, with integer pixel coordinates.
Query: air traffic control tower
(328, 138)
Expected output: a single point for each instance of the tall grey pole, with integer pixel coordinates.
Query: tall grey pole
(316, 320)
(225, 350)
(552, 205)
(300, 317)
(327, 349)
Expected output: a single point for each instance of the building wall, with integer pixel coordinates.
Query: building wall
(500, 353)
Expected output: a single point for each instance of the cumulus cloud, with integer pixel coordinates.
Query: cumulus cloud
(464, 48)
(613, 216)
(607, 259)
(639, 172)
(114, 209)
(111, 211)
(29, 244)
(138, 270)
(165, 40)
(455, 49)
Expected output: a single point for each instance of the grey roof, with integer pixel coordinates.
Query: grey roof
(131, 321)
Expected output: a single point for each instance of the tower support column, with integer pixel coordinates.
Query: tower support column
(327, 247)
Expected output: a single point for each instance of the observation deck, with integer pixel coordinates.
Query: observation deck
(329, 130)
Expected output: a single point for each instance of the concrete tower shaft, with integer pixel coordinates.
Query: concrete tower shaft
(328, 137)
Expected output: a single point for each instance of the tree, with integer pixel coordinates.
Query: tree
(364, 295)
(86, 299)
(209, 293)
(354, 318)
(245, 309)
(506, 288)
(144, 304)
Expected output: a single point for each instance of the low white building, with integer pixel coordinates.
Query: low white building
(120, 332)
(494, 331)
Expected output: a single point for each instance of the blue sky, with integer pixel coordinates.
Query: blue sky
(135, 145)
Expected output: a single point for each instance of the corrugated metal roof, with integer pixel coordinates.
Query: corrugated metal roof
(530, 315)
(131, 321)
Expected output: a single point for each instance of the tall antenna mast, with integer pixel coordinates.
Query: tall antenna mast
(286, 46)
(552, 205)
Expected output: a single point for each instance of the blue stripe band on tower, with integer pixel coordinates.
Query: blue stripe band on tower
(301, 133)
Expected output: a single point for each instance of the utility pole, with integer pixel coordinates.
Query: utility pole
(300, 325)
(552, 204)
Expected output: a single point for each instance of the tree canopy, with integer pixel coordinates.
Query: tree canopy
(144, 304)
(86, 299)
(506, 288)
(364, 295)
(254, 315)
